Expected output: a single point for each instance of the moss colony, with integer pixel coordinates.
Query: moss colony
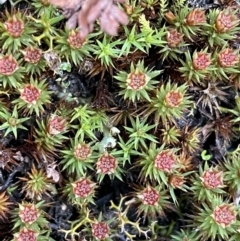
(124, 138)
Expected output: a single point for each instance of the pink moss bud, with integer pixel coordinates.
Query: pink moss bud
(82, 151)
(14, 26)
(174, 38)
(212, 179)
(56, 125)
(137, 80)
(83, 188)
(201, 60)
(30, 94)
(32, 55)
(165, 161)
(227, 58)
(173, 99)
(106, 164)
(149, 196)
(195, 17)
(28, 213)
(100, 230)
(224, 215)
(74, 40)
(225, 21)
(176, 181)
(26, 234)
(8, 65)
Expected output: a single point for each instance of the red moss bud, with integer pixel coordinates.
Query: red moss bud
(201, 60)
(195, 17)
(165, 161)
(100, 230)
(149, 196)
(8, 65)
(74, 40)
(106, 164)
(173, 99)
(32, 55)
(225, 21)
(174, 38)
(224, 215)
(14, 26)
(83, 187)
(30, 94)
(26, 234)
(227, 58)
(56, 125)
(137, 80)
(82, 151)
(28, 213)
(212, 179)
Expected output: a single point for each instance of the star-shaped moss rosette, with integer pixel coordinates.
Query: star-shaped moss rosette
(43, 6)
(26, 234)
(227, 21)
(11, 122)
(140, 133)
(178, 181)
(133, 10)
(137, 83)
(226, 62)
(187, 21)
(71, 47)
(80, 192)
(231, 169)
(223, 26)
(170, 135)
(34, 63)
(215, 220)
(197, 67)
(31, 235)
(126, 150)
(46, 26)
(29, 215)
(5, 205)
(33, 97)
(79, 157)
(174, 44)
(88, 121)
(11, 74)
(36, 184)
(99, 229)
(169, 103)
(49, 133)
(109, 163)
(191, 140)
(106, 51)
(150, 201)
(158, 163)
(16, 32)
(207, 183)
